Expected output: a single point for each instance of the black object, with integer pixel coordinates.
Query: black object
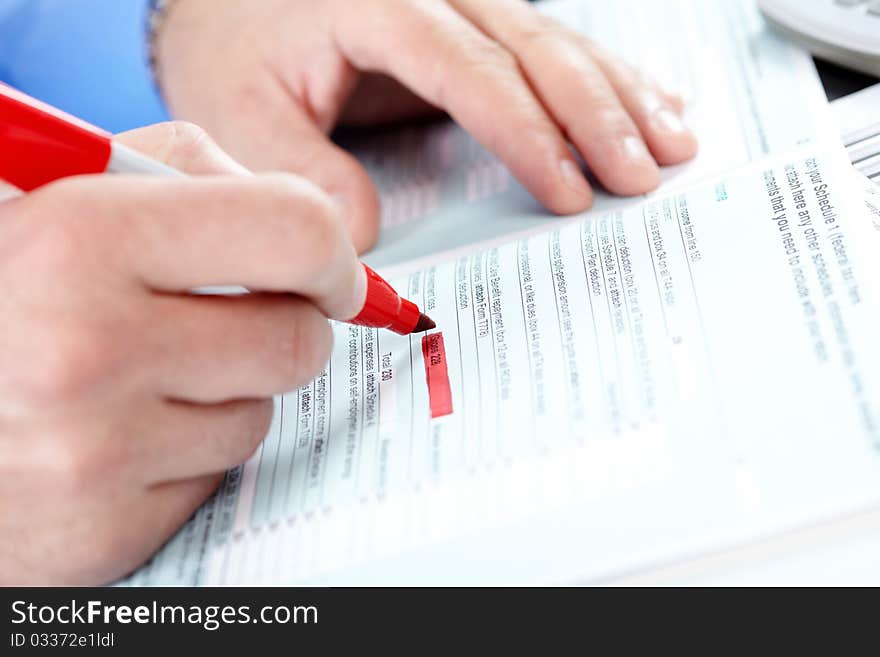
(839, 81)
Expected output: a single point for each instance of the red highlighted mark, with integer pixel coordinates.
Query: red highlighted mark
(439, 390)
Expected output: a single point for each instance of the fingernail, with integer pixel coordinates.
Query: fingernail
(573, 177)
(668, 121)
(635, 151)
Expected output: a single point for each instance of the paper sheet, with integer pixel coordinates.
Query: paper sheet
(646, 386)
(748, 92)
(872, 200)
(858, 118)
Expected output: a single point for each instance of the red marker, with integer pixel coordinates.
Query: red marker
(39, 144)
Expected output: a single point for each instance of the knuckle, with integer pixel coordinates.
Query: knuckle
(542, 30)
(320, 228)
(184, 132)
(609, 117)
(297, 196)
(76, 465)
(185, 139)
(304, 349)
(60, 248)
(309, 219)
(489, 56)
(58, 236)
(484, 60)
(70, 364)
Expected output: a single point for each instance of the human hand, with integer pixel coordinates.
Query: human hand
(123, 397)
(270, 78)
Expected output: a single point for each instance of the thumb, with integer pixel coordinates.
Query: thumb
(183, 146)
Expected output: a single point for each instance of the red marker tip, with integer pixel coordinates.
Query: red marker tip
(425, 323)
(384, 308)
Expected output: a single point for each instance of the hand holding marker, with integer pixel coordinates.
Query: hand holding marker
(40, 144)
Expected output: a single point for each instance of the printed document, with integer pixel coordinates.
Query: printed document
(638, 388)
(749, 93)
(657, 381)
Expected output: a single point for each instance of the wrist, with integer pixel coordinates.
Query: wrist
(181, 52)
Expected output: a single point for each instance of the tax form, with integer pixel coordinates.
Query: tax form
(641, 387)
(872, 200)
(749, 93)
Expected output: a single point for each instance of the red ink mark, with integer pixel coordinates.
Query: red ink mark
(439, 390)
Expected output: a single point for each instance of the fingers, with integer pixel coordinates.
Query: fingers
(675, 101)
(97, 541)
(284, 138)
(215, 349)
(312, 155)
(183, 146)
(656, 113)
(275, 233)
(186, 441)
(451, 64)
(270, 97)
(154, 518)
(573, 88)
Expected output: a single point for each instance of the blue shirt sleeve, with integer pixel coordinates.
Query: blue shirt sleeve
(87, 57)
